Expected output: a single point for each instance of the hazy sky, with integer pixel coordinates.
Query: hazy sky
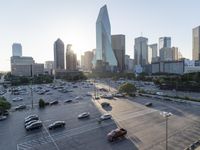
(36, 24)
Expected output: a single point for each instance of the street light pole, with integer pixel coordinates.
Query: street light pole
(31, 86)
(166, 115)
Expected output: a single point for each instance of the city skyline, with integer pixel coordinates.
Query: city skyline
(36, 28)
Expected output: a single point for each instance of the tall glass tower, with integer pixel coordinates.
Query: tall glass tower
(104, 56)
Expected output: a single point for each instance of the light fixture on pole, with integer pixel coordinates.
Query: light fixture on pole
(166, 115)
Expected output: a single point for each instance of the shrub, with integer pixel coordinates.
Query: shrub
(41, 103)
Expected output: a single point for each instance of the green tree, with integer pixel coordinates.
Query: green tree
(41, 103)
(127, 88)
(4, 105)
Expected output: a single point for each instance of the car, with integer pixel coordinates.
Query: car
(54, 102)
(30, 122)
(105, 117)
(20, 107)
(88, 94)
(84, 115)
(57, 124)
(159, 93)
(35, 125)
(49, 93)
(5, 113)
(16, 99)
(119, 95)
(3, 118)
(31, 118)
(107, 96)
(105, 104)
(78, 98)
(115, 134)
(149, 104)
(68, 101)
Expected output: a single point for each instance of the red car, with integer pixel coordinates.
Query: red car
(115, 134)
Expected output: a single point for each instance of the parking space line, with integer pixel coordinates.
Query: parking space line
(68, 133)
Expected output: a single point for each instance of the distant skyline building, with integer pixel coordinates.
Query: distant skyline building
(141, 51)
(104, 59)
(164, 42)
(71, 59)
(16, 49)
(118, 46)
(196, 43)
(86, 60)
(175, 52)
(152, 52)
(49, 66)
(59, 62)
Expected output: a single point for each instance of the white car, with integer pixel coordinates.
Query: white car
(84, 115)
(16, 99)
(78, 98)
(2, 118)
(105, 117)
(159, 93)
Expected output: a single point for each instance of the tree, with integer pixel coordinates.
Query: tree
(127, 88)
(41, 103)
(4, 105)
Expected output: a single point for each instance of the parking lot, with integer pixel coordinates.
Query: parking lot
(145, 125)
(77, 134)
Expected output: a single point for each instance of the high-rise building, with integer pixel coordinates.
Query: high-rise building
(174, 53)
(196, 43)
(16, 49)
(104, 56)
(164, 42)
(118, 46)
(152, 52)
(88, 57)
(49, 66)
(141, 51)
(166, 54)
(71, 59)
(59, 55)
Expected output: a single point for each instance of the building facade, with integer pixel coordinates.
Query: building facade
(59, 55)
(104, 59)
(141, 51)
(27, 69)
(71, 59)
(17, 49)
(118, 46)
(152, 52)
(164, 42)
(196, 43)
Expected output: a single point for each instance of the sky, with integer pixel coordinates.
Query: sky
(36, 24)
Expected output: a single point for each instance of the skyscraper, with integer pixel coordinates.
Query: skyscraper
(71, 59)
(16, 49)
(164, 42)
(141, 51)
(196, 43)
(152, 52)
(104, 56)
(165, 48)
(59, 54)
(118, 46)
